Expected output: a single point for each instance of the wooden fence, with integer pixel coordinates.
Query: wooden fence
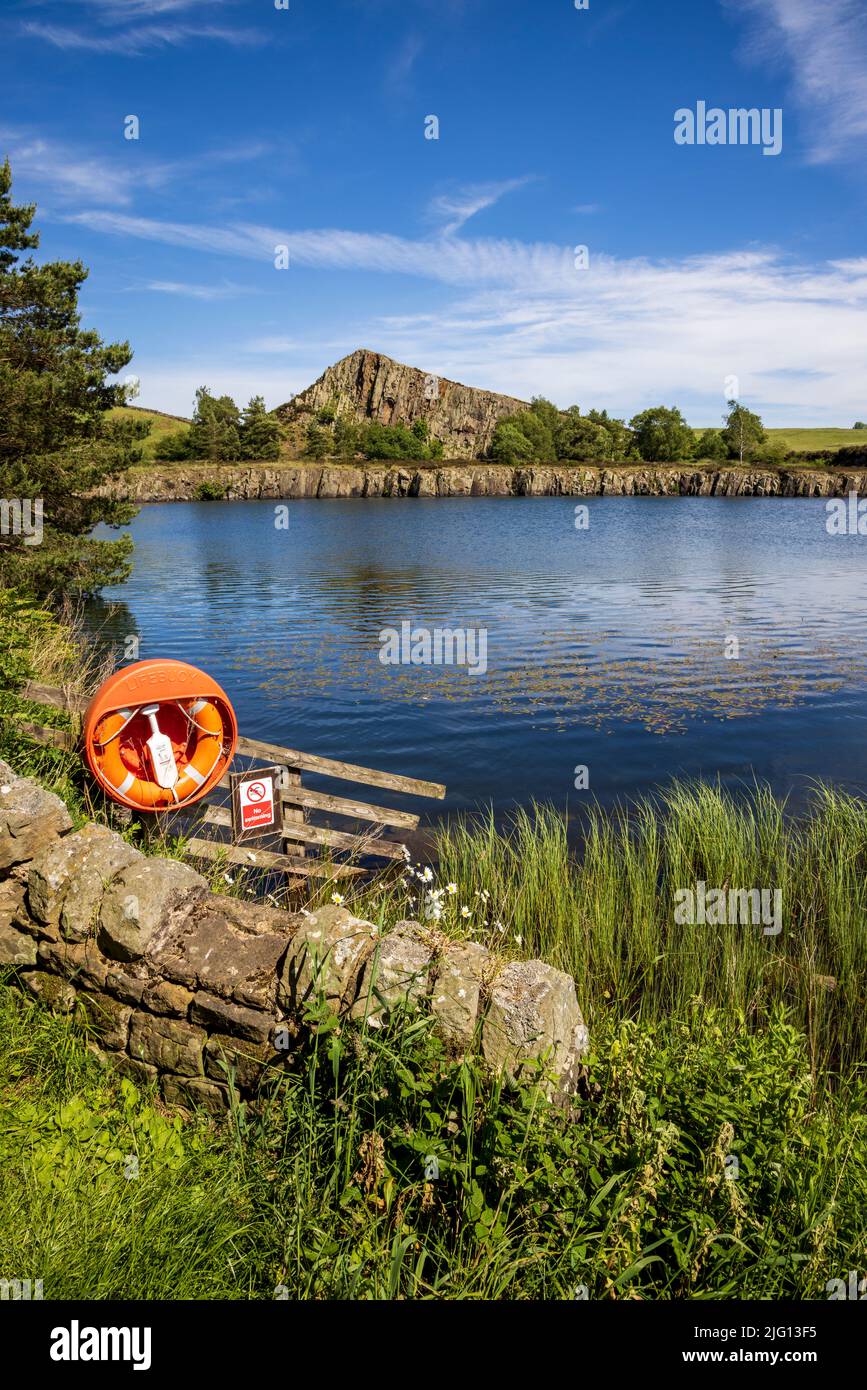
(316, 849)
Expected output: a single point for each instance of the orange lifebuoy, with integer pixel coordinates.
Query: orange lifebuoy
(196, 724)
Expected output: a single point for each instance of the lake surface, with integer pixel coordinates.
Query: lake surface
(606, 647)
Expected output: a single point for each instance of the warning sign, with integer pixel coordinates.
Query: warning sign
(256, 800)
(256, 808)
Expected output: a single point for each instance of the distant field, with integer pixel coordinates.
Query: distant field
(807, 440)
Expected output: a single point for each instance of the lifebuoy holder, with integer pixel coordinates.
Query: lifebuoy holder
(159, 735)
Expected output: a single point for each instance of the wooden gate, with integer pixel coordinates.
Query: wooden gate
(309, 848)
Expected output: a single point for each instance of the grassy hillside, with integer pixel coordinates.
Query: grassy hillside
(808, 440)
(161, 424)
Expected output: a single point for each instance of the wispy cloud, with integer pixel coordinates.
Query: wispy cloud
(454, 209)
(131, 42)
(587, 209)
(402, 62)
(521, 318)
(189, 291)
(825, 43)
(68, 172)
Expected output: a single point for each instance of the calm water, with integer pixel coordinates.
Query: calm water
(605, 648)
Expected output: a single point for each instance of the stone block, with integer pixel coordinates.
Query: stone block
(107, 1018)
(230, 948)
(195, 1094)
(214, 1013)
(325, 959)
(533, 1013)
(78, 961)
(167, 998)
(166, 1043)
(460, 972)
(30, 818)
(16, 947)
(143, 900)
(397, 973)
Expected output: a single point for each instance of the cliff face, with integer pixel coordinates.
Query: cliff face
(368, 386)
(183, 482)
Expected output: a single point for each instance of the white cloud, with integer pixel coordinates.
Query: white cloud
(454, 209)
(825, 42)
(520, 318)
(132, 42)
(70, 173)
(188, 291)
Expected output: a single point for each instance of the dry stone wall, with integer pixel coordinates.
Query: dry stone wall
(190, 989)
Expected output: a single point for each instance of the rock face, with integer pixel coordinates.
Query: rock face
(196, 992)
(296, 481)
(368, 386)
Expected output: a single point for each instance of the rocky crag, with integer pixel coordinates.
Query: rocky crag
(189, 482)
(369, 386)
(196, 991)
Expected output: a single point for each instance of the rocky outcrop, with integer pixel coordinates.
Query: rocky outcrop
(183, 482)
(369, 386)
(198, 992)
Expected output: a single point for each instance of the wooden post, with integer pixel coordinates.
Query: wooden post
(294, 815)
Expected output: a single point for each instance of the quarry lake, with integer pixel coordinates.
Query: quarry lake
(673, 637)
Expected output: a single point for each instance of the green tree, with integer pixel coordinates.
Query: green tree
(215, 430)
(581, 439)
(259, 432)
(622, 443)
(662, 435)
(510, 445)
(56, 442)
(175, 446)
(346, 437)
(743, 431)
(547, 412)
(535, 428)
(319, 441)
(710, 445)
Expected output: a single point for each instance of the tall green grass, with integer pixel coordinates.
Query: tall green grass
(604, 912)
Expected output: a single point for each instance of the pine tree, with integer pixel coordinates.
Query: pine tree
(260, 432)
(56, 442)
(215, 431)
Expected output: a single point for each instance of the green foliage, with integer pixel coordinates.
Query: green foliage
(215, 431)
(527, 435)
(319, 441)
(19, 622)
(211, 492)
(56, 441)
(769, 455)
(327, 414)
(581, 439)
(380, 441)
(174, 446)
(510, 445)
(622, 444)
(859, 425)
(259, 431)
(710, 445)
(347, 437)
(379, 1169)
(662, 435)
(743, 431)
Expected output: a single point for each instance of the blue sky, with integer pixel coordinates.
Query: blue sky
(305, 127)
